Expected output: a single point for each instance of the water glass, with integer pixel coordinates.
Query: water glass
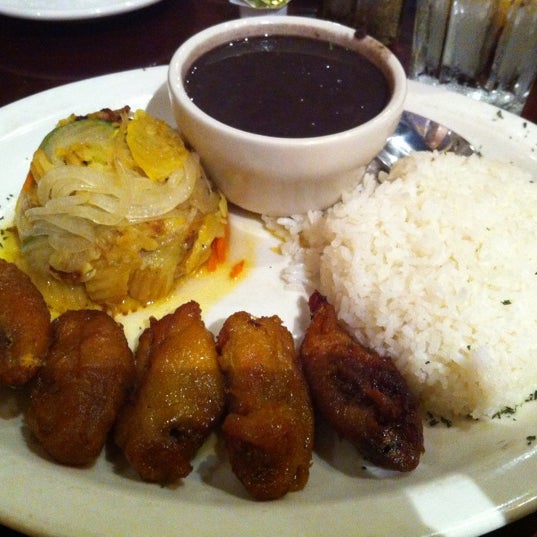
(486, 49)
(378, 18)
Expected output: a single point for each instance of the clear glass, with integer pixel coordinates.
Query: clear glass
(379, 18)
(486, 49)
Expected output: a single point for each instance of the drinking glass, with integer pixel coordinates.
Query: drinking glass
(378, 18)
(486, 49)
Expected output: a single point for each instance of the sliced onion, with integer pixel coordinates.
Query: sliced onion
(67, 180)
(52, 224)
(152, 199)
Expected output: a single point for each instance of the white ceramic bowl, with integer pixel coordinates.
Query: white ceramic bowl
(283, 176)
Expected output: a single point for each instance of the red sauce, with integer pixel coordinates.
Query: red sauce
(287, 86)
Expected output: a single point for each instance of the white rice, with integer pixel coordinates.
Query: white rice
(437, 268)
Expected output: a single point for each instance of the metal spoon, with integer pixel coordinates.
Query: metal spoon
(418, 133)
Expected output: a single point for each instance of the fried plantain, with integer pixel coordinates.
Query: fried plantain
(79, 389)
(269, 429)
(25, 327)
(179, 397)
(360, 393)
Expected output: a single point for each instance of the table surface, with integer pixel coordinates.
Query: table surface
(38, 55)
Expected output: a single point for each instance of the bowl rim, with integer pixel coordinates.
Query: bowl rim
(223, 32)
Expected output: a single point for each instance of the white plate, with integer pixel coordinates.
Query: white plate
(472, 478)
(69, 9)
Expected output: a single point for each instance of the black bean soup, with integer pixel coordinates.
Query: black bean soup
(287, 86)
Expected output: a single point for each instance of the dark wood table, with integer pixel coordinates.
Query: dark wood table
(38, 55)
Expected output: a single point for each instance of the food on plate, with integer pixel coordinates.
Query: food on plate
(268, 430)
(325, 95)
(25, 329)
(178, 399)
(79, 389)
(360, 393)
(114, 202)
(436, 267)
